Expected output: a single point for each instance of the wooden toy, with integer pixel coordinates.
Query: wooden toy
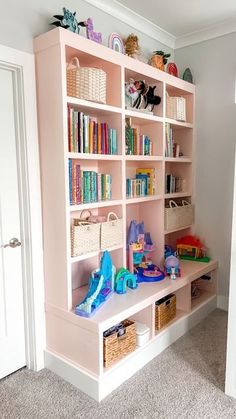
(123, 279)
(101, 286)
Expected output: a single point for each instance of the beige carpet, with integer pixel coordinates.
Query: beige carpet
(185, 381)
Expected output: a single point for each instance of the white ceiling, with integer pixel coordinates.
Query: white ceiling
(182, 17)
(175, 23)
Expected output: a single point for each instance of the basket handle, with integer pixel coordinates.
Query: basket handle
(74, 62)
(185, 203)
(173, 203)
(84, 211)
(112, 214)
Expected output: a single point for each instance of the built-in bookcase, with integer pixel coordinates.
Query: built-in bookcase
(75, 344)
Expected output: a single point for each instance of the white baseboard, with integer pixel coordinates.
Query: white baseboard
(100, 387)
(222, 302)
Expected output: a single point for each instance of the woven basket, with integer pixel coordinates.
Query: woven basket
(85, 236)
(165, 311)
(176, 108)
(111, 231)
(177, 216)
(116, 347)
(86, 82)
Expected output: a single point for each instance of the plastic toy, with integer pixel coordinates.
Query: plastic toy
(125, 278)
(68, 21)
(91, 34)
(169, 251)
(191, 248)
(101, 286)
(149, 273)
(172, 267)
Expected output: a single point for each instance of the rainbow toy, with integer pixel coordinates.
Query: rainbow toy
(115, 42)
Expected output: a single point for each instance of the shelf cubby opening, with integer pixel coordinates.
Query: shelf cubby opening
(176, 92)
(203, 289)
(183, 177)
(157, 169)
(158, 109)
(145, 316)
(144, 212)
(153, 130)
(113, 72)
(183, 137)
(173, 236)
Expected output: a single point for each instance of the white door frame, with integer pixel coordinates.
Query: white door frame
(21, 64)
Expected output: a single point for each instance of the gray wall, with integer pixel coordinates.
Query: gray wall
(23, 20)
(213, 64)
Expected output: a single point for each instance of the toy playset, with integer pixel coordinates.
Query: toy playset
(191, 248)
(101, 286)
(125, 278)
(172, 266)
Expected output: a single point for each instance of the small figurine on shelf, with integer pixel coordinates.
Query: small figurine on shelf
(94, 36)
(132, 48)
(172, 267)
(187, 75)
(159, 60)
(191, 248)
(172, 69)
(68, 21)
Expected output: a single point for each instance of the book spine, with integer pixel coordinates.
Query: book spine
(70, 181)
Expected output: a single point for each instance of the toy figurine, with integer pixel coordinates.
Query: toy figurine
(172, 267)
(191, 248)
(132, 46)
(159, 60)
(68, 21)
(94, 36)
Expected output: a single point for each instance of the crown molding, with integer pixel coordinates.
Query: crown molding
(128, 16)
(206, 34)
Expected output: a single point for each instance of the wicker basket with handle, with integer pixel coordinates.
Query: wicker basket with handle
(177, 216)
(87, 83)
(116, 347)
(111, 231)
(85, 236)
(165, 311)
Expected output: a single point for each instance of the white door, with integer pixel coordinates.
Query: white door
(12, 334)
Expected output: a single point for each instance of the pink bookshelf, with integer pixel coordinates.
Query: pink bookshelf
(74, 348)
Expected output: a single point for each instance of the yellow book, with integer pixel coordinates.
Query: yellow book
(151, 179)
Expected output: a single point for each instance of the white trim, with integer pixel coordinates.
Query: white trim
(230, 377)
(99, 388)
(136, 21)
(222, 302)
(205, 34)
(22, 66)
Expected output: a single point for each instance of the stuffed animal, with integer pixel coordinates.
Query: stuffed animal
(68, 21)
(131, 46)
(131, 93)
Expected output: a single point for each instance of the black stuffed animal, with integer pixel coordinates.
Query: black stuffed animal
(146, 98)
(151, 98)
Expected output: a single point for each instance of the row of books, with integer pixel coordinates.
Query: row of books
(172, 149)
(88, 135)
(88, 186)
(174, 184)
(142, 185)
(137, 144)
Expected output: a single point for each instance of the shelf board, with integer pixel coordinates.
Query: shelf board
(179, 124)
(177, 195)
(143, 158)
(178, 159)
(90, 156)
(88, 105)
(120, 307)
(204, 297)
(177, 229)
(93, 254)
(92, 205)
(143, 199)
(142, 116)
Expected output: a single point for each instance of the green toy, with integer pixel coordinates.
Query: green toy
(125, 278)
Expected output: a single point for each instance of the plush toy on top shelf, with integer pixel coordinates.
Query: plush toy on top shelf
(132, 48)
(68, 21)
(139, 95)
(159, 60)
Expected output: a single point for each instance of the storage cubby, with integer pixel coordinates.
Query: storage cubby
(203, 289)
(158, 110)
(74, 347)
(183, 173)
(113, 72)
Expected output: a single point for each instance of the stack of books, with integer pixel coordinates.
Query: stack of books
(142, 185)
(136, 143)
(174, 184)
(172, 148)
(86, 186)
(88, 135)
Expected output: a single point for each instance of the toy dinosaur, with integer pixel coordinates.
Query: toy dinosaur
(68, 21)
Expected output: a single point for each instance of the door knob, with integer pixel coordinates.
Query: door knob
(14, 242)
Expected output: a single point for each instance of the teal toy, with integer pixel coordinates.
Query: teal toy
(123, 279)
(101, 287)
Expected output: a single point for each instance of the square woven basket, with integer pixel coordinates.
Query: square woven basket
(111, 231)
(165, 311)
(85, 237)
(116, 347)
(87, 83)
(177, 216)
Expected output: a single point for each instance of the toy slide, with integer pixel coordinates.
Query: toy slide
(101, 286)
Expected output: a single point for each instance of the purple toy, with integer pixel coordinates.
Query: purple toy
(94, 36)
(172, 267)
